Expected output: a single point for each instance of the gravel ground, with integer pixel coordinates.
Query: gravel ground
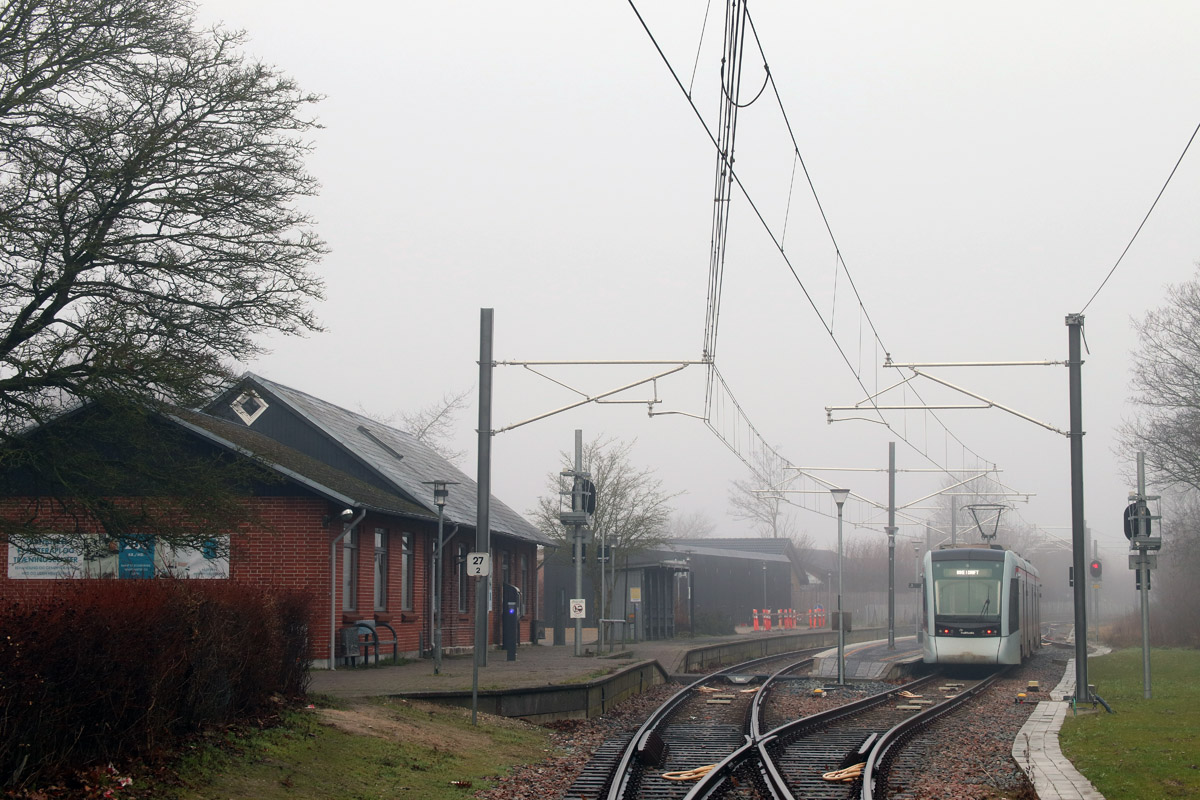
(986, 768)
(575, 741)
(983, 771)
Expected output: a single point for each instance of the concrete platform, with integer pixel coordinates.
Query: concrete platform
(1037, 752)
(872, 660)
(535, 666)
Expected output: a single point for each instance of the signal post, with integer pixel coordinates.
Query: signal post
(1143, 558)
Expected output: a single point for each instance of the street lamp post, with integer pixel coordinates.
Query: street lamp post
(764, 566)
(839, 497)
(918, 584)
(440, 493)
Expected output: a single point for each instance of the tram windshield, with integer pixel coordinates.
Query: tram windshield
(967, 590)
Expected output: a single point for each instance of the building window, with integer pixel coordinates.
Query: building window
(505, 568)
(462, 578)
(249, 407)
(381, 568)
(350, 571)
(524, 587)
(406, 571)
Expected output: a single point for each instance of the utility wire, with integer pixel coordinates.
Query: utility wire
(726, 164)
(1139, 227)
(838, 260)
(699, 44)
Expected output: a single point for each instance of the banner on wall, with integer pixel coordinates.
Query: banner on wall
(136, 557)
(52, 558)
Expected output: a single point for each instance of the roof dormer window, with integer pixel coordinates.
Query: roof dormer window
(249, 407)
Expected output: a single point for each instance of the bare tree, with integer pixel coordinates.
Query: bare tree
(433, 425)
(1176, 581)
(690, 525)
(756, 500)
(632, 509)
(148, 224)
(1166, 389)
(149, 233)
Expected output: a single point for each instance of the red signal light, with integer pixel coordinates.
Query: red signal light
(1095, 568)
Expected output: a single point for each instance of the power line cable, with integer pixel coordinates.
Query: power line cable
(1143, 223)
(699, 44)
(725, 167)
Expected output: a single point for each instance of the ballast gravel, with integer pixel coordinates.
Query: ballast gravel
(966, 757)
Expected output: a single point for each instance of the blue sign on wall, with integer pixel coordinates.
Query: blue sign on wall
(136, 559)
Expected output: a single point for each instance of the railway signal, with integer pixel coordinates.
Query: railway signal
(1095, 568)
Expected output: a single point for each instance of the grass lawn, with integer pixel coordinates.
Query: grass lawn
(364, 751)
(1148, 749)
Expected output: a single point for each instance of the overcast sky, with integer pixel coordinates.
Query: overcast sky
(981, 167)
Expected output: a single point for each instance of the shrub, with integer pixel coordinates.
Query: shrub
(114, 669)
(714, 623)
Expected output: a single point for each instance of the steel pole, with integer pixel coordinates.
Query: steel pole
(1078, 536)
(483, 496)
(437, 595)
(577, 505)
(891, 532)
(841, 655)
(1144, 576)
(953, 521)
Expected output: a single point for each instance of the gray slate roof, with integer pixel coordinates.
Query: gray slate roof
(333, 484)
(748, 544)
(688, 547)
(370, 441)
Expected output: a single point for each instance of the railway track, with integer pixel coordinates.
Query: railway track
(698, 726)
(893, 765)
(791, 760)
(728, 731)
(779, 742)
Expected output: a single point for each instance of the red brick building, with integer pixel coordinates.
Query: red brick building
(349, 517)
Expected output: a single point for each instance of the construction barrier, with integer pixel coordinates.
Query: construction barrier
(783, 619)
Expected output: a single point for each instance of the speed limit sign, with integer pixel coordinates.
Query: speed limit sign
(579, 609)
(479, 565)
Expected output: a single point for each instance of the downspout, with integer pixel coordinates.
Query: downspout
(346, 530)
(437, 568)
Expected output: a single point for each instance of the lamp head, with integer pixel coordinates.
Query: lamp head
(839, 496)
(345, 515)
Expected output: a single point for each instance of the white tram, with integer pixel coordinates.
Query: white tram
(980, 606)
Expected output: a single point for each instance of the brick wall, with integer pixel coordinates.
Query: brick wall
(295, 554)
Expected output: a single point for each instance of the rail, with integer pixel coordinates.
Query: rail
(880, 760)
(648, 746)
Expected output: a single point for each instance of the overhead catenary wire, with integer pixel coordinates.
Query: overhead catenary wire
(727, 177)
(1157, 197)
(699, 45)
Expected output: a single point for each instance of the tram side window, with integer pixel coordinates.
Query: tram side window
(924, 607)
(1014, 606)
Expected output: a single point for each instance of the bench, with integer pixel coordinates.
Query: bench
(363, 637)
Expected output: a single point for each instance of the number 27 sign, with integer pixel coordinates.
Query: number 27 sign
(479, 565)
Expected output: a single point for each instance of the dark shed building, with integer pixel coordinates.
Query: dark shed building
(694, 585)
